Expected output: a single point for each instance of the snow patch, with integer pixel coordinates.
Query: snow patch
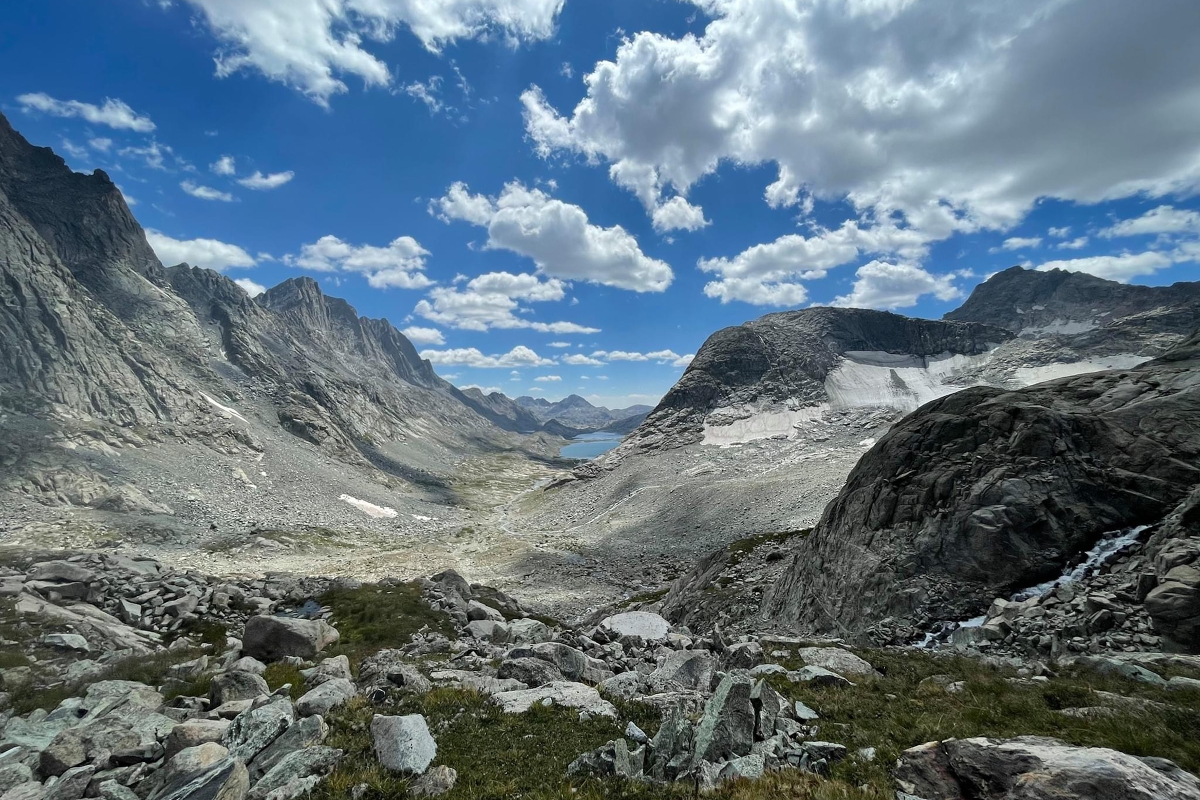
(224, 410)
(760, 425)
(1060, 326)
(873, 379)
(370, 509)
(1028, 376)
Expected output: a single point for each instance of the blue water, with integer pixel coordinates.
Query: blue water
(590, 445)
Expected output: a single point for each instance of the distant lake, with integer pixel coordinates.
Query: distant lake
(587, 446)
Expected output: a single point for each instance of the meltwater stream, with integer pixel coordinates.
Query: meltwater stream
(1103, 551)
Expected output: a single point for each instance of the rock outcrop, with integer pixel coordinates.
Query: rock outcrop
(985, 492)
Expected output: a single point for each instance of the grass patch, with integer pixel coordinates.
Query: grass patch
(741, 548)
(204, 632)
(372, 618)
(501, 755)
(279, 673)
(152, 670)
(645, 597)
(895, 712)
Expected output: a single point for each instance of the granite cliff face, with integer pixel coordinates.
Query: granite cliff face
(102, 349)
(986, 492)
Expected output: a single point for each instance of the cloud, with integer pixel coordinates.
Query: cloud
(683, 361)
(484, 389)
(559, 344)
(917, 112)
(427, 93)
(153, 154)
(1060, 233)
(661, 356)
(253, 289)
(205, 192)
(418, 335)
(771, 274)
(1161, 220)
(1121, 268)
(557, 236)
(580, 360)
(114, 113)
(399, 265)
(519, 356)
(260, 182)
(312, 45)
(890, 286)
(223, 166)
(208, 253)
(100, 143)
(493, 300)
(677, 214)
(548, 378)
(1077, 243)
(1021, 243)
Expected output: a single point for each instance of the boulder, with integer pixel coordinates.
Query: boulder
(325, 697)
(727, 728)
(14, 774)
(625, 686)
(295, 769)
(67, 641)
(434, 783)
(255, 728)
(305, 732)
(768, 707)
(528, 631)
(572, 663)
(488, 630)
(67, 750)
(478, 611)
(836, 660)
(193, 733)
(248, 664)
(61, 571)
(746, 655)
(559, 693)
(210, 776)
(819, 676)
(686, 670)
(273, 638)
(229, 686)
(1038, 768)
(387, 669)
(1174, 605)
(529, 671)
(637, 628)
(749, 767)
(72, 784)
(26, 791)
(403, 744)
(327, 670)
(671, 746)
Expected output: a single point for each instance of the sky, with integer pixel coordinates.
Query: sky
(569, 196)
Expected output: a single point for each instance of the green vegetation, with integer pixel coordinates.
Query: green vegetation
(279, 673)
(645, 598)
(372, 618)
(743, 547)
(526, 755)
(896, 712)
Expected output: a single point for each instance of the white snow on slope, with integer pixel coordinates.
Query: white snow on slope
(763, 425)
(1028, 376)
(874, 379)
(370, 509)
(226, 411)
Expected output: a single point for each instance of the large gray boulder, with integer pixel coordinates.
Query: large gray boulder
(298, 768)
(207, 772)
(273, 638)
(574, 665)
(529, 671)
(689, 670)
(403, 744)
(1037, 768)
(325, 697)
(230, 686)
(559, 693)
(305, 732)
(727, 728)
(637, 628)
(255, 728)
(836, 660)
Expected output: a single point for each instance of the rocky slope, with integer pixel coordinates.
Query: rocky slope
(986, 492)
(125, 386)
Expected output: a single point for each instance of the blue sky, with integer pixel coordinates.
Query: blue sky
(559, 197)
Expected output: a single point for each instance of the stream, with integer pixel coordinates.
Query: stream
(1101, 553)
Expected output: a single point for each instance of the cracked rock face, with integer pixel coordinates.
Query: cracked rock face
(986, 492)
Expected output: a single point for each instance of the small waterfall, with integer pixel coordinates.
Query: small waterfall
(1104, 551)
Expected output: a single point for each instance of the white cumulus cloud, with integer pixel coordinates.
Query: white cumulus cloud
(114, 113)
(260, 182)
(205, 192)
(519, 356)
(313, 45)
(224, 165)
(1122, 268)
(251, 288)
(1161, 220)
(557, 236)
(889, 286)
(399, 264)
(918, 112)
(208, 253)
(493, 300)
(419, 335)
